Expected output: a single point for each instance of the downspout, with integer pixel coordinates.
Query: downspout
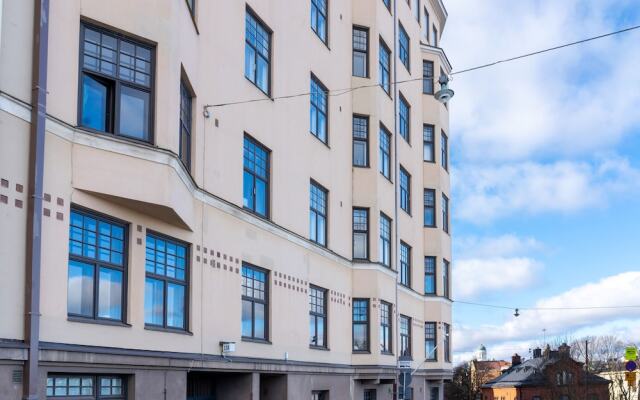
(31, 379)
(396, 173)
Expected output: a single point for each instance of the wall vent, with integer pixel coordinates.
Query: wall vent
(16, 376)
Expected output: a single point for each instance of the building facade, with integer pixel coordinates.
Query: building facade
(223, 199)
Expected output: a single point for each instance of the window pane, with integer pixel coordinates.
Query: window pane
(261, 197)
(248, 183)
(175, 305)
(134, 113)
(80, 289)
(360, 337)
(247, 318)
(360, 245)
(153, 302)
(259, 321)
(320, 335)
(95, 97)
(110, 294)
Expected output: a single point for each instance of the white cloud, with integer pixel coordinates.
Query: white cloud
(507, 245)
(569, 102)
(485, 193)
(484, 276)
(617, 290)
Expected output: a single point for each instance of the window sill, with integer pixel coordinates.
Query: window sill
(253, 212)
(429, 161)
(321, 141)
(98, 321)
(259, 88)
(326, 43)
(387, 178)
(363, 352)
(361, 260)
(312, 347)
(167, 330)
(147, 143)
(253, 340)
(361, 166)
(429, 226)
(386, 353)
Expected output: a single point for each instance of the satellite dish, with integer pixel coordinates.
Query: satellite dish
(444, 94)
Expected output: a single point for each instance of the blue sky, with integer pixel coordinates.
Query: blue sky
(546, 171)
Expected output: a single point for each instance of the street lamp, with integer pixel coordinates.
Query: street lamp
(444, 94)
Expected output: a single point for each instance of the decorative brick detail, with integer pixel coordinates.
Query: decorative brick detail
(4, 183)
(139, 241)
(197, 247)
(47, 197)
(4, 199)
(46, 212)
(198, 258)
(19, 188)
(18, 203)
(139, 228)
(59, 216)
(60, 201)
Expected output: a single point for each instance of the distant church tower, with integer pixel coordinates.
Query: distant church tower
(481, 353)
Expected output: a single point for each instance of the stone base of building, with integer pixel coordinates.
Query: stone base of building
(150, 375)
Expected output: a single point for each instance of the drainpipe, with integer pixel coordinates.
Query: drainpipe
(31, 379)
(396, 166)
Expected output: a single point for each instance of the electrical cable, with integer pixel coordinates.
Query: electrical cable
(340, 92)
(546, 308)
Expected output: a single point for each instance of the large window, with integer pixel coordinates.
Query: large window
(319, 18)
(447, 343)
(384, 70)
(385, 327)
(361, 233)
(185, 125)
(429, 275)
(255, 303)
(116, 81)
(429, 208)
(86, 386)
(444, 149)
(405, 336)
(384, 253)
(256, 177)
(425, 26)
(320, 395)
(257, 53)
(360, 52)
(416, 10)
(430, 341)
(385, 152)
(318, 112)
(445, 278)
(404, 118)
(387, 3)
(317, 317)
(318, 214)
(405, 264)
(435, 36)
(427, 77)
(97, 267)
(445, 213)
(429, 152)
(360, 329)
(403, 46)
(360, 141)
(166, 289)
(405, 191)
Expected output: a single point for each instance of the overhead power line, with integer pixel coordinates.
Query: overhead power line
(547, 308)
(340, 92)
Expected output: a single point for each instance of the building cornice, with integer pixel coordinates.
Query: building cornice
(438, 52)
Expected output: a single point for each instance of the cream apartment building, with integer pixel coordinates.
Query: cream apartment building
(223, 199)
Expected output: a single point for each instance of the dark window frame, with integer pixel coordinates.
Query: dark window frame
(446, 284)
(431, 143)
(259, 21)
(370, 394)
(405, 338)
(95, 386)
(112, 113)
(318, 212)
(358, 139)
(387, 4)
(432, 275)
(405, 265)
(385, 241)
(446, 342)
(318, 110)
(386, 329)
(253, 300)
(426, 24)
(404, 122)
(166, 280)
(446, 217)
(186, 94)
(360, 51)
(365, 232)
(97, 264)
(384, 154)
(316, 315)
(267, 152)
(405, 190)
(435, 36)
(384, 71)
(444, 150)
(433, 328)
(314, 27)
(431, 208)
(428, 82)
(405, 59)
(366, 323)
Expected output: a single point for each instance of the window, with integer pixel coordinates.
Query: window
(361, 233)
(97, 267)
(320, 395)
(387, 3)
(165, 292)
(185, 125)
(255, 302)
(116, 81)
(435, 36)
(405, 264)
(405, 336)
(429, 275)
(360, 329)
(427, 77)
(404, 118)
(444, 148)
(447, 342)
(405, 190)
(319, 101)
(430, 344)
(385, 240)
(385, 327)
(425, 26)
(445, 278)
(318, 214)
(369, 394)
(435, 393)
(257, 53)
(255, 177)
(416, 9)
(191, 4)
(445, 213)
(403, 46)
(319, 18)
(318, 317)
(360, 52)
(385, 67)
(429, 153)
(385, 152)
(84, 386)
(360, 141)
(430, 208)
